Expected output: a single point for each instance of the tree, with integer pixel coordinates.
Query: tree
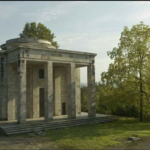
(131, 63)
(38, 31)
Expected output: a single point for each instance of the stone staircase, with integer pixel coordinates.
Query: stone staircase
(17, 129)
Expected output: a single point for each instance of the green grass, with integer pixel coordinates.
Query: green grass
(99, 136)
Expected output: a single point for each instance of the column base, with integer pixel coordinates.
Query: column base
(22, 123)
(74, 117)
(94, 115)
(49, 119)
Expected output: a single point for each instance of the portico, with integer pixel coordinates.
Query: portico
(37, 80)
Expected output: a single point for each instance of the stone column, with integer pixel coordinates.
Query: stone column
(21, 91)
(36, 101)
(30, 83)
(91, 90)
(78, 92)
(11, 101)
(71, 90)
(48, 91)
(57, 85)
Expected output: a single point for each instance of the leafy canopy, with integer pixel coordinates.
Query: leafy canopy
(130, 69)
(38, 31)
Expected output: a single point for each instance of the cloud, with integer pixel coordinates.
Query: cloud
(96, 41)
(93, 41)
(7, 11)
(139, 3)
(49, 15)
(46, 12)
(140, 12)
(143, 15)
(53, 13)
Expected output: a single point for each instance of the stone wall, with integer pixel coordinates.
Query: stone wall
(33, 86)
(3, 76)
(9, 89)
(60, 89)
(0, 86)
(61, 94)
(12, 92)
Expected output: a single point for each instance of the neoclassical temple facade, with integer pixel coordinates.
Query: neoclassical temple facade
(38, 80)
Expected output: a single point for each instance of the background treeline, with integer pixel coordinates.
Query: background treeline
(124, 90)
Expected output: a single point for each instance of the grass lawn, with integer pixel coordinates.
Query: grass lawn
(99, 136)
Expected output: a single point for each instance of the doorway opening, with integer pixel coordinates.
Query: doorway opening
(63, 108)
(41, 96)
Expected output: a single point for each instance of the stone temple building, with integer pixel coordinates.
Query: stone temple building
(38, 80)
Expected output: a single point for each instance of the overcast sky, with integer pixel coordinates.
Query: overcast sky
(82, 26)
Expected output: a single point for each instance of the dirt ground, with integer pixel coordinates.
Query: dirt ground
(25, 142)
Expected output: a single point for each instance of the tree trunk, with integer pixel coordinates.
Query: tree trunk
(141, 98)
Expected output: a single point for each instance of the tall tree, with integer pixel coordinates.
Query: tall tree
(38, 31)
(131, 59)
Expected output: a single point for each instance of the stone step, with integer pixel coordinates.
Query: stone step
(57, 122)
(63, 126)
(52, 122)
(55, 125)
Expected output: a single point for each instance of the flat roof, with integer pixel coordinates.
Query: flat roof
(30, 40)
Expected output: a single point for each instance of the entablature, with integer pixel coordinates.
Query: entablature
(50, 54)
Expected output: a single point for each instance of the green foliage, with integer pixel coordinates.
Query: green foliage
(99, 136)
(38, 31)
(128, 76)
(124, 89)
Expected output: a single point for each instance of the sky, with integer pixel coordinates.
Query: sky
(88, 26)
